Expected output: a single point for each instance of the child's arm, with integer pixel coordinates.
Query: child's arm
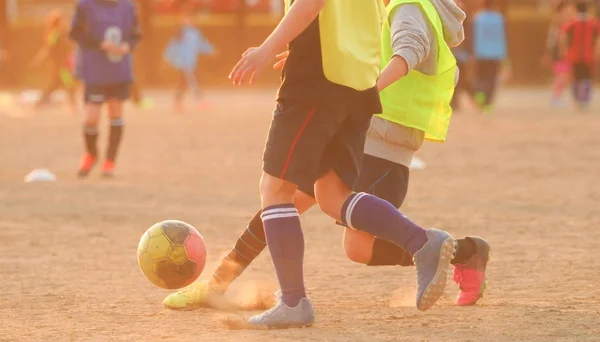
(253, 61)
(411, 43)
(79, 30)
(136, 35)
(204, 46)
(300, 15)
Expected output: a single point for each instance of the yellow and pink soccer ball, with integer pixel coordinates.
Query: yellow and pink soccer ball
(171, 254)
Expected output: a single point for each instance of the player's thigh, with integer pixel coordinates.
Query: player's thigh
(116, 95)
(341, 164)
(94, 96)
(297, 139)
(344, 152)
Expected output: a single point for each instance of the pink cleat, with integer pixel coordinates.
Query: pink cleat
(470, 277)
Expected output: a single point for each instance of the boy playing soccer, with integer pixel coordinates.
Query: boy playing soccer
(57, 50)
(328, 140)
(318, 132)
(563, 12)
(182, 53)
(106, 31)
(580, 46)
(391, 143)
(489, 49)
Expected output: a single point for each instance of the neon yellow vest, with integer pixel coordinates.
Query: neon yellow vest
(417, 100)
(350, 32)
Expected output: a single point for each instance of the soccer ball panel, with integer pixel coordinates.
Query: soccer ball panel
(158, 247)
(176, 231)
(155, 230)
(178, 255)
(146, 264)
(173, 276)
(196, 249)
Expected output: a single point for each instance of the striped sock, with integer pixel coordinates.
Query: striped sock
(286, 245)
(381, 219)
(247, 247)
(114, 138)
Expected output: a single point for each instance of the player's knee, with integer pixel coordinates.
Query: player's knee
(92, 116)
(331, 193)
(115, 109)
(275, 190)
(358, 246)
(303, 202)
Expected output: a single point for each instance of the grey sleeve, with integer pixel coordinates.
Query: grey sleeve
(411, 34)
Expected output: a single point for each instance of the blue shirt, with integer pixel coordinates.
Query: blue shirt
(96, 21)
(489, 36)
(182, 51)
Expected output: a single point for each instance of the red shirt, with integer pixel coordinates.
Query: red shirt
(582, 35)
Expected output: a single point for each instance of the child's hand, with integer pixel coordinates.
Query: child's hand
(124, 49)
(109, 47)
(251, 64)
(114, 49)
(281, 59)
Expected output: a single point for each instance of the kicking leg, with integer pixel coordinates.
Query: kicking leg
(248, 247)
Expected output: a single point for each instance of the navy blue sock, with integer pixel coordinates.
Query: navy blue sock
(286, 245)
(381, 219)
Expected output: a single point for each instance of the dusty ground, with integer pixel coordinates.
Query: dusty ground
(524, 178)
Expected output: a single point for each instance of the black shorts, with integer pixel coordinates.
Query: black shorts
(389, 181)
(384, 179)
(582, 71)
(98, 94)
(305, 142)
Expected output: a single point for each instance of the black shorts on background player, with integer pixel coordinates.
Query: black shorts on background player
(99, 94)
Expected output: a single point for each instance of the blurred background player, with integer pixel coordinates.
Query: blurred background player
(580, 46)
(489, 50)
(391, 143)
(58, 50)
(563, 12)
(182, 54)
(106, 31)
(463, 56)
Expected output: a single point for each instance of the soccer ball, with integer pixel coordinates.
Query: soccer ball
(171, 254)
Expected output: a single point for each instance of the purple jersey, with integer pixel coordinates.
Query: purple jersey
(96, 21)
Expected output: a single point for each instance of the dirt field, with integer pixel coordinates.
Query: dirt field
(524, 178)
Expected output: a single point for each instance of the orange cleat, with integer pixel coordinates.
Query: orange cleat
(87, 163)
(108, 168)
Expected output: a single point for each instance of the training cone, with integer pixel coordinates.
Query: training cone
(40, 175)
(29, 96)
(417, 164)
